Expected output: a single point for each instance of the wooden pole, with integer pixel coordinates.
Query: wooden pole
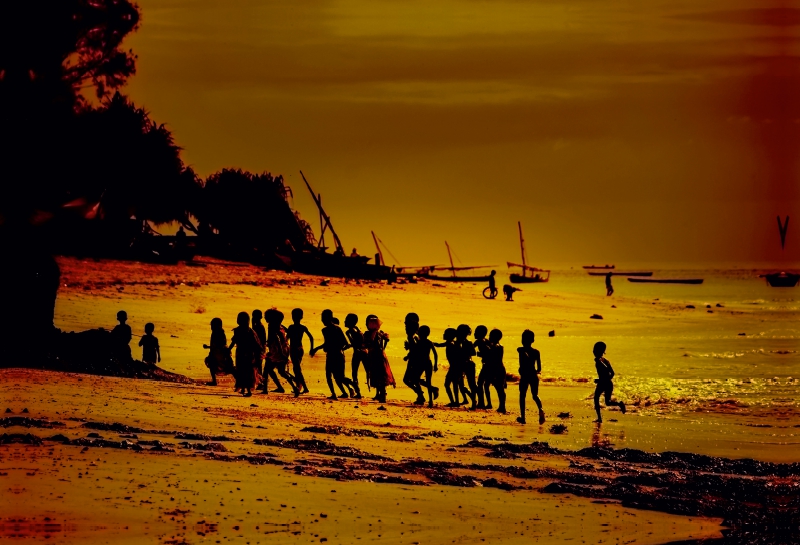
(452, 266)
(324, 215)
(380, 253)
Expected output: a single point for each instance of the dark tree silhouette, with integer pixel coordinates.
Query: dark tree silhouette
(251, 213)
(50, 51)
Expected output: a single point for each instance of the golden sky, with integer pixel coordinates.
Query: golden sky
(622, 130)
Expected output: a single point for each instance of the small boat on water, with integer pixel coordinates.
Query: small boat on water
(452, 268)
(599, 267)
(782, 279)
(616, 273)
(640, 280)
(530, 275)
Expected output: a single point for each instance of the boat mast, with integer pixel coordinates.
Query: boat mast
(452, 267)
(380, 253)
(327, 218)
(522, 248)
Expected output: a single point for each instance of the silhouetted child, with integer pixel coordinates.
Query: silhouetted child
(151, 353)
(605, 376)
(295, 333)
(380, 373)
(258, 327)
(334, 345)
(423, 349)
(121, 337)
(508, 291)
(454, 374)
(481, 343)
(413, 368)
(219, 359)
(356, 341)
(530, 365)
(248, 348)
(496, 371)
(278, 345)
(465, 352)
(493, 283)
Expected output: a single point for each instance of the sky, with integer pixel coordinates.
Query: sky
(615, 131)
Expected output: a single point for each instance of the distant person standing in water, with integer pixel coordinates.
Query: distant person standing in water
(493, 283)
(121, 337)
(605, 386)
(530, 365)
(295, 333)
(609, 287)
(151, 353)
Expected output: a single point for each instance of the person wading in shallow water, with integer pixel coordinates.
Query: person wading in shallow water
(295, 333)
(609, 287)
(605, 386)
(530, 365)
(334, 345)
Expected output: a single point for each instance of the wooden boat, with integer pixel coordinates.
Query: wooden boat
(782, 279)
(452, 268)
(530, 275)
(615, 273)
(640, 280)
(400, 270)
(599, 267)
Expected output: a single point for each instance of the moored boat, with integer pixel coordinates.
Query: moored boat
(599, 267)
(782, 279)
(530, 275)
(452, 268)
(616, 273)
(641, 280)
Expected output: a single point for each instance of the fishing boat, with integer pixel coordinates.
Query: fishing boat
(453, 269)
(400, 270)
(627, 273)
(530, 275)
(640, 280)
(318, 261)
(782, 279)
(599, 267)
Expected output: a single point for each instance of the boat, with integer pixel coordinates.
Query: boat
(452, 268)
(318, 261)
(599, 267)
(530, 275)
(640, 280)
(782, 279)
(616, 273)
(400, 270)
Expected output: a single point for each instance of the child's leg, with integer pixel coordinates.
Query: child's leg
(480, 388)
(487, 383)
(329, 377)
(523, 393)
(283, 371)
(499, 385)
(473, 388)
(598, 390)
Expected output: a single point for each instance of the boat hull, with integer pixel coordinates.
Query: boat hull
(635, 273)
(600, 267)
(785, 280)
(519, 279)
(457, 278)
(666, 280)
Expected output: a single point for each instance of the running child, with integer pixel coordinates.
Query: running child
(356, 341)
(605, 376)
(530, 365)
(495, 370)
(295, 333)
(248, 348)
(334, 345)
(219, 359)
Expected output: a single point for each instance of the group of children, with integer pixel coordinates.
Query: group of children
(264, 353)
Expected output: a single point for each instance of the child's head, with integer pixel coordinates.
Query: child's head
(481, 331)
(216, 324)
(424, 332)
(495, 336)
(243, 319)
(257, 315)
(373, 323)
(351, 320)
(297, 315)
(273, 317)
(335, 320)
(327, 316)
(412, 317)
(122, 316)
(463, 331)
(599, 349)
(527, 337)
(149, 328)
(449, 334)
(493, 273)
(412, 328)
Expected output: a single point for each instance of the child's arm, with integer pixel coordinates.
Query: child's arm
(158, 351)
(610, 369)
(311, 338)
(140, 341)
(316, 349)
(435, 358)
(537, 363)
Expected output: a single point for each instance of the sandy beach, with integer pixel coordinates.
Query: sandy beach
(122, 460)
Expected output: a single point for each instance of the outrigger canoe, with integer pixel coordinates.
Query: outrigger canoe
(615, 273)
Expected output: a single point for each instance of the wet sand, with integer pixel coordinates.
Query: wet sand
(81, 482)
